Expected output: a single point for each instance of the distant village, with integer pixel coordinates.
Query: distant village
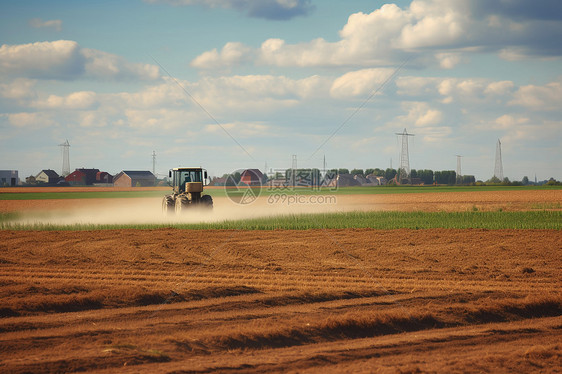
(254, 177)
(81, 177)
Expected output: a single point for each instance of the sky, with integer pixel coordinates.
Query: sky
(236, 84)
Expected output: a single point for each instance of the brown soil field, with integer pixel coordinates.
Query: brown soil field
(427, 201)
(356, 300)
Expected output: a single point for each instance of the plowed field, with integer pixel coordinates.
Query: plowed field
(172, 300)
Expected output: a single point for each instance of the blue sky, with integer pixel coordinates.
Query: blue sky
(237, 84)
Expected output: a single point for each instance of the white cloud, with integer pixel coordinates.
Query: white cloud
(66, 60)
(75, 101)
(508, 122)
(446, 29)
(547, 97)
(434, 134)
(165, 95)
(255, 93)
(39, 23)
(415, 86)
(231, 54)
(240, 129)
(435, 23)
(500, 88)
(359, 83)
(30, 120)
(19, 88)
(448, 60)
(420, 114)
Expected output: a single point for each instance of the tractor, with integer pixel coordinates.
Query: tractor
(187, 184)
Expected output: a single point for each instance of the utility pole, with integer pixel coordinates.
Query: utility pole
(459, 174)
(404, 172)
(498, 168)
(294, 170)
(65, 158)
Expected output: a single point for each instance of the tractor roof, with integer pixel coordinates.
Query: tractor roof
(184, 168)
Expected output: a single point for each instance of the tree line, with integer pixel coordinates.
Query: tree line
(425, 176)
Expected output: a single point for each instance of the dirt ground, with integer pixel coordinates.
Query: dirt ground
(426, 201)
(356, 300)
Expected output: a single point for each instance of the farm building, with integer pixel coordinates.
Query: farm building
(377, 180)
(346, 180)
(9, 178)
(104, 177)
(134, 178)
(82, 177)
(362, 180)
(251, 177)
(47, 176)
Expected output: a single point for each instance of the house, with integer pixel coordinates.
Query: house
(82, 177)
(251, 177)
(9, 178)
(377, 180)
(218, 181)
(346, 180)
(361, 180)
(104, 177)
(47, 176)
(134, 178)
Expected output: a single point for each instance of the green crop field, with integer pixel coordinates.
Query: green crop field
(374, 220)
(266, 191)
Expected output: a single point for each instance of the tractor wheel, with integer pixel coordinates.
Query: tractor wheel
(168, 204)
(207, 201)
(181, 204)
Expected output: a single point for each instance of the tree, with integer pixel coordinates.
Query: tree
(425, 175)
(343, 171)
(525, 180)
(553, 182)
(390, 173)
(233, 179)
(468, 179)
(369, 171)
(357, 172)
(452, 179)
(446, 177)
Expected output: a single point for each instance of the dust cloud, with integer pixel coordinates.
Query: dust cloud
(149, 211)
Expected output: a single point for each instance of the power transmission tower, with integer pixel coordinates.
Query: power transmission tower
(498, 168)
(404, 172)
(459, 173)
(154, 162)
(294, 170)
(65, 158)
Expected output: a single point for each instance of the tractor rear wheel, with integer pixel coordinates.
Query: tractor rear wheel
(207, 201)
(168, 204)
(181, 204)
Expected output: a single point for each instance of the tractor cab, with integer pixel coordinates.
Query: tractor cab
(188, 179)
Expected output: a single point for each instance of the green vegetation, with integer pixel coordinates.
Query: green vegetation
(219, 191)
(79, 195)
(374, 220)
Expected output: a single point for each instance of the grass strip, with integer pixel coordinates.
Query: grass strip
(267, 191)
(346, 220)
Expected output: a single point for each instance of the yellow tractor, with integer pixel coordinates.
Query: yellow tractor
(187, 184)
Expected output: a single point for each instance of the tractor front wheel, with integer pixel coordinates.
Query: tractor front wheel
(181, 204)
(168, 204)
